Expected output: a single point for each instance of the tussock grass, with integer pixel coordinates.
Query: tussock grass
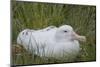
(40, 15)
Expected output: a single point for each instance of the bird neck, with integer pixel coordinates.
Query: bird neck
(62, 39)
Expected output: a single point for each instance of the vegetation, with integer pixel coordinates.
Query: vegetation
(40, 15)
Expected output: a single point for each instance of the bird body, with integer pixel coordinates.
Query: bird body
(55, 42)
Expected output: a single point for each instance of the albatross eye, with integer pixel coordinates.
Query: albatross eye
(65, 31)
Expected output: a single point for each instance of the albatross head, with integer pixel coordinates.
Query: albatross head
(66, 32)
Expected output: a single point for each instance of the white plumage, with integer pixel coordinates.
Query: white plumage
(52, 42)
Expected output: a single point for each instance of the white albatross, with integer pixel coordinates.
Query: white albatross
(52, 42)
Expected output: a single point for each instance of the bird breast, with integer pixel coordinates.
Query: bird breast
(62, 49)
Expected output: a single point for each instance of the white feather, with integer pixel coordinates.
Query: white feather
(50, 42)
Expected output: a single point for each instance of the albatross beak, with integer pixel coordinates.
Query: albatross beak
(78, 37)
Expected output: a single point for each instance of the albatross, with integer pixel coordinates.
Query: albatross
(56, 42)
